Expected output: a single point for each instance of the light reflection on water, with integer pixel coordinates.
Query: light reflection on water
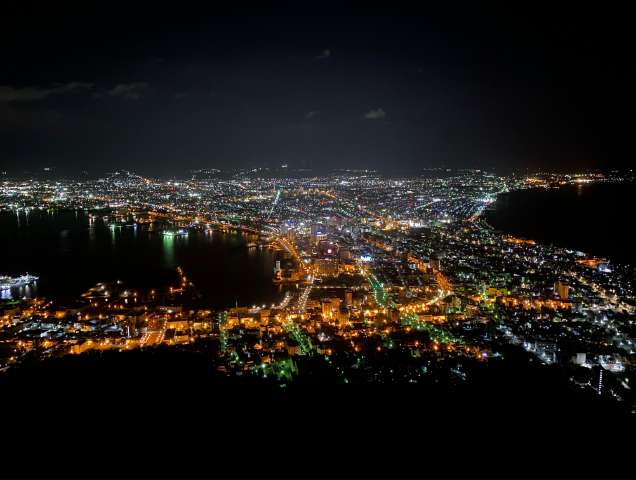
(70, 253)
(25, 291)
(168, 251)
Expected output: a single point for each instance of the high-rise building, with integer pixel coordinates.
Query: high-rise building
(345, 253)
(327, 249)
(330, 308)
(343, 315)
(580, 359)
(348, 298)
(326, 267)
(317, 229)
(562, 289)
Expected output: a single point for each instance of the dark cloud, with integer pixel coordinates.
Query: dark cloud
(129, 91)
(9, 93)
(377, 114)
(326, 53)
(311, 114)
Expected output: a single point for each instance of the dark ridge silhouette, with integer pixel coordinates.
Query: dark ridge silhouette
(168, 412)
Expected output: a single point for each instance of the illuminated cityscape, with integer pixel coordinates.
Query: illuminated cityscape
(384, 280)
(316, 240)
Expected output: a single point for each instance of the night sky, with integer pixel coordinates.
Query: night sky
(160, 90)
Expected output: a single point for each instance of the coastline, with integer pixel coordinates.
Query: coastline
(488, 219)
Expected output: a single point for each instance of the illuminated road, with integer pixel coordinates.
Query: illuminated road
(154, 336)
(435, 200)
(301, 303)
(443, 282)
(285, 301)
(379, 293)
(611, 299)
(412, 320)
(274, 203)
(440, 296)
(295, 332)
(293, 252)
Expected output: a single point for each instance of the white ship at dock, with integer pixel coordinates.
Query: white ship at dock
(7, 282)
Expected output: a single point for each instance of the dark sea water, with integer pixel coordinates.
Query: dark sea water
(70, 256)
(593, 218)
